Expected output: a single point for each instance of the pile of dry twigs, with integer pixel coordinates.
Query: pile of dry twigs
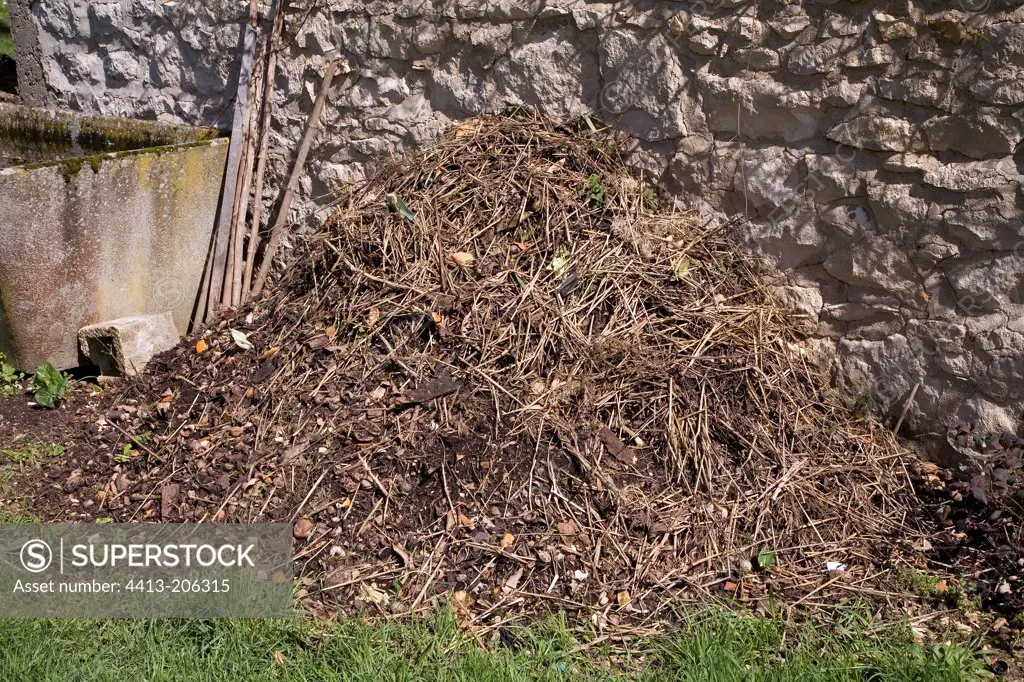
(504, 372)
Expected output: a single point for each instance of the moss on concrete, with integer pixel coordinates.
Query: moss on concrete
(69, 168)
(94, 133)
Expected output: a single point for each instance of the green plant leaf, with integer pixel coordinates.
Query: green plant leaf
(766, 559)
(51, 386)
(682, 268)
(396, 205)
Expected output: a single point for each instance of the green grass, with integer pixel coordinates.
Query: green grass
(6, 42)
(17, 515)
(714, 646)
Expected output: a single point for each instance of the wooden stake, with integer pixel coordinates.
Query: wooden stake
(906, 408)
(232, 295)
(277, 231)
(264, 144)
(227, 207)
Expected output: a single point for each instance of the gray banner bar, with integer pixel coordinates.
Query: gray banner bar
(145, 571)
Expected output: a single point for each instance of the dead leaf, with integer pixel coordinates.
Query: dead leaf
(241, 339)
(265, 371)
(616, 448)
(566, 528)
(402, 554)
(622, 599)
(507, 540)
(278, 658)
(370, 594)
(463, 258)
(201, 346)
(317, 342)
(372, 318)
(513, 582)
(167, 495)
(437, 317)
(331, 332)
(271, 352)
(440, 385)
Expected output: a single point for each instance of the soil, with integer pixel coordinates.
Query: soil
(451, 495)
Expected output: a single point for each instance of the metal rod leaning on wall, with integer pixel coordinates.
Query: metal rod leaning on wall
(277, 231)
(266, 118)
(219, 253)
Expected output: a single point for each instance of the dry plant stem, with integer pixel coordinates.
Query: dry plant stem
(906, 408)
(222, 241)
(264, 144)
(280, 225)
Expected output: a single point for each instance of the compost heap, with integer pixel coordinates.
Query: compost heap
(503, 373)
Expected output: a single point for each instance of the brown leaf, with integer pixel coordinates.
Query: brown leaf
(372, 318)
(278, 658)
(331, 332)
(566, 528)
(265, 371)
(623, 599)
(201, 346)
(317, 342)
(167, 495)
(506, 540)
(616, 448)
(440, 385)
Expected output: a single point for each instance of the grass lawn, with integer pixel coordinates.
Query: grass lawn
(6, 43)
(715, 646)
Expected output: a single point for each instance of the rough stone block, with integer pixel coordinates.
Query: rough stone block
(126, 345)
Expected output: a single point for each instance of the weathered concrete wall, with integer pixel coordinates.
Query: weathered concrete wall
(873, 146)
(94, 239)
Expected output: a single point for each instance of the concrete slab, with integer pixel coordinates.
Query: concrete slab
(125, 346)
(102, 237)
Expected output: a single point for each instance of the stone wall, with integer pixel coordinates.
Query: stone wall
(872, 146)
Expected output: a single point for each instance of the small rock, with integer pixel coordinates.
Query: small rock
(303, 529)
(758, 58)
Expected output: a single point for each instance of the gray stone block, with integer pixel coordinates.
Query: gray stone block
(126, 345)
